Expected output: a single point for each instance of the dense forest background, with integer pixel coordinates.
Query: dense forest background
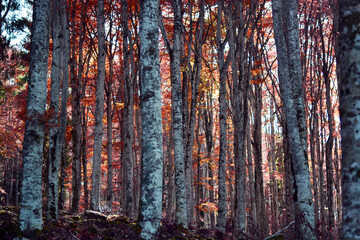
(227, 151)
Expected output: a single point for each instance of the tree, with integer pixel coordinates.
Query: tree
(30, 217)
(349, 115)
(177, 120)
(176, 113)
(54, 161)
(99, 109)
(128, 117)
(223, 126)
(56, 151)
(76, 85)
(191, 83)
(237, 49)
(152, 165)
(304, 215)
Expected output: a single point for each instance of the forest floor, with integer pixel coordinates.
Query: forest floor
(95, 226)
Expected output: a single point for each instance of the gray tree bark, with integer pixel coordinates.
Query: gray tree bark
(152, 153)
(259, 180)
(237, 46)
(222, 205)
(128, 120)
(99, 109)
(109, 146)
(54, 162)
(76, 85)
(177, 120)
(195, 81)
(85, 117)
(302, 190)
(350, 116)
(30, 217)
(59, 138)
(330, 140)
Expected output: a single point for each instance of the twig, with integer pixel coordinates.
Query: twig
(280, 231)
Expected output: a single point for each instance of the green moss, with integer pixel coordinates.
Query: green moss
(119, 219)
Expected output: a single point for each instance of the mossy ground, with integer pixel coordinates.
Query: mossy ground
(89, 227)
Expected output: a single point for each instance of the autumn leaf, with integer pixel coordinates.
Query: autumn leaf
(119, 106)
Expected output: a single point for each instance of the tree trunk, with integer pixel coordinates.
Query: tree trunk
(273, 171)
(321, 170)
(84, 156)
(302, 189)
(222, 205)
(17, 190)
(76, 108)
(99, 109)
(61, 141)
(262, 224)
(54, 160)
(350, 114)
(177, 119)
(313, 138)
(30, 217)
(62, 194)
(128, 120)
(109, 146)
(251, 175)
(199, 190)
(152, 162)
(237, 100)
(170, 187)
(288, 176)
(330, 140)
(195, 81)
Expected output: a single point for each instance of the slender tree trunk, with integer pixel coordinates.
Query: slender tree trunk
(76, 108)
(195, 81)
(290, 20)
(259, 180)
(151, 123)
(313, 136)
(170, 187)
(251, 174)
(338, 183)
(273, 180)
(177, 119)
(84, 156)
(54, 161)
(321, 171)
(138, 158)
(99, 109)
(62, 194)
(109, 146)
(330, 140)
(349, 114)
(30, 217)
(61, 140)
(329, 156)
(237, 100)
(222, 205)
(199, 190)
(17, 191)
(302, 189)
(128, 120)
